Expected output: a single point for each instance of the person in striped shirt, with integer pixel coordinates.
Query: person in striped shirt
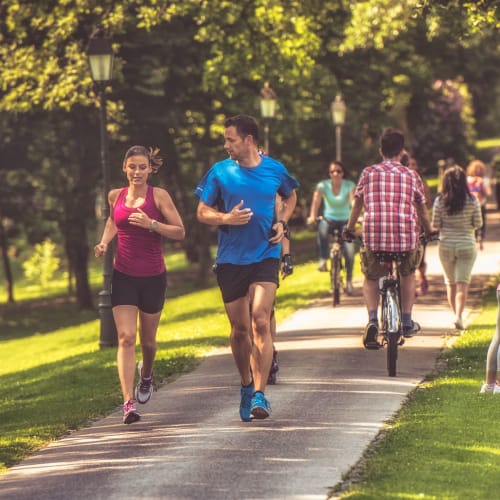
(394, 209)
(456, 215)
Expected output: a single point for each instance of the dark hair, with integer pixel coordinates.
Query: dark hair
(338, 164)
(151, 154)
(245, 125)
(392, 142)
(454, 190)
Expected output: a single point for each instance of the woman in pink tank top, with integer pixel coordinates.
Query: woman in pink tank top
(140, 217)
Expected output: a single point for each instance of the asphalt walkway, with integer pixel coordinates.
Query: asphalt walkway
(331, 400)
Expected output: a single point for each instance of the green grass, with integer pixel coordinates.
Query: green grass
(445, 441)
(59, 379)
(488, 143)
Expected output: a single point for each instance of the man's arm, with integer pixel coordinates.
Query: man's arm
(213, 217)
(423, 218)
(357, 206)
(284, 213)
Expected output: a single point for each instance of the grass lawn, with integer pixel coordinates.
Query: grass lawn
(445, 442)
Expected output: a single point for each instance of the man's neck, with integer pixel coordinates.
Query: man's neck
(251, 160)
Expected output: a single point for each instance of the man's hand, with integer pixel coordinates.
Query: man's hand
(239, 216)
(286, 265)
(348, 234)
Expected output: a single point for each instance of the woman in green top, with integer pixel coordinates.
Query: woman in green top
(336, 193)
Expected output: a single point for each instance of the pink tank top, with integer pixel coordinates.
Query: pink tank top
(139, 252)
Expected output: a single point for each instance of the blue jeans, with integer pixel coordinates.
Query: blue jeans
(326, 227)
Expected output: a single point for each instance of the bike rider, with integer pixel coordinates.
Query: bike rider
(336, 193)
(394, 208)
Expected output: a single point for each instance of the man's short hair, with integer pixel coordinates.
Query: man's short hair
(245, 125)
(392, 142)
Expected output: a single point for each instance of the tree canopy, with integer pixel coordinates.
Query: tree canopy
(182, 66)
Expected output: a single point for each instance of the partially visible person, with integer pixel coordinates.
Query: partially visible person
(422, 268)
(140, 216)
(394, 202)
(336, 193)
(286, 269)
(492, 379)
(238, 195)
(456, 215)
(481, 189)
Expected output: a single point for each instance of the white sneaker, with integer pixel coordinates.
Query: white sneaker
(144, 387)
(322, 265)
(496, 389)
(489, 388)
(349, 289)
(459, 324)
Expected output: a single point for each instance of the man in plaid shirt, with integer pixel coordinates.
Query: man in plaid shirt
(394, 202)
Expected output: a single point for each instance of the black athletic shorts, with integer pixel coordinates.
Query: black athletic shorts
(147, 293)
(234, 280)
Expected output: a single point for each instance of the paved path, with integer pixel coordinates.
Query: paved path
(331, 400)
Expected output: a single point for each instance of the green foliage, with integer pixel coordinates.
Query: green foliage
(42, 265)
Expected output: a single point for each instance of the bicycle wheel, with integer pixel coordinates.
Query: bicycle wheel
(392, 331)
(335, 278)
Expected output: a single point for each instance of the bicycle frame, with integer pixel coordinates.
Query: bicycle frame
(336, 265)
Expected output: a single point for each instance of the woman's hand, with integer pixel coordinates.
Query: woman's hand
(140, 219)
(100, 249)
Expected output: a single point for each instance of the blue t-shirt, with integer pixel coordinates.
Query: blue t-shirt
(336, 206)
(225, 185)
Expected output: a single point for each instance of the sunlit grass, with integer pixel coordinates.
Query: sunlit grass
(488, 143)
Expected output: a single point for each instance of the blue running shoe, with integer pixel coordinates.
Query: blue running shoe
(245, 404)
(260, 406)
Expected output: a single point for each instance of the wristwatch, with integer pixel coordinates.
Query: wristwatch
(286, 229)
(154, 225)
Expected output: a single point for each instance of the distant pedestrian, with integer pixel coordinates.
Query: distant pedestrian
(492, 383)
(456, 215)
(140, 216)
(479, 186)
(238, 195)
(422, 268)
(336, 195)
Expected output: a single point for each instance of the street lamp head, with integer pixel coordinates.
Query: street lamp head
(268, 100)
(100, 55)
(338, 110)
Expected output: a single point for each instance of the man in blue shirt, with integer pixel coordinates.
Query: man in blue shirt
(239, 196)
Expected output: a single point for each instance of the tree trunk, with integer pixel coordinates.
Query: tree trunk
(74, 229)
(6, 264)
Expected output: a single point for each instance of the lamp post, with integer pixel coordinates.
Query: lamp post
(338, 110)
(100, 56)
(268, 100)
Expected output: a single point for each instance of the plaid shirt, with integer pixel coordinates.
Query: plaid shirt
(390, 192)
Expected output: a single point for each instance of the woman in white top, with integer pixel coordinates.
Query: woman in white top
(456, 215)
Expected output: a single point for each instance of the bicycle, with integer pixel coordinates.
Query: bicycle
(390, 305)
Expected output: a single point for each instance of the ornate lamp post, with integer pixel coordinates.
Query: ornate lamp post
(268, 100)
(100, 55)
(338, 110)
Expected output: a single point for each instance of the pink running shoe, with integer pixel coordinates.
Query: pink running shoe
(130, 413)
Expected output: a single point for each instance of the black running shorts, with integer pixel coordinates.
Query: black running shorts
(234, 280)
(147, 293)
